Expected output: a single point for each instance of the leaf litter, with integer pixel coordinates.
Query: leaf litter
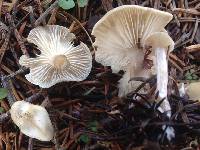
(89, 114)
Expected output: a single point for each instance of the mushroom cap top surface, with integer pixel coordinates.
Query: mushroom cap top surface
(59, 60)
(32, 120)
(160, 40)
(120, 30)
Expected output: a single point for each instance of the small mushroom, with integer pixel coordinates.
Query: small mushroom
(162, 44)
(120, 40)
(32, 120)
(59, 60)
(193, 91)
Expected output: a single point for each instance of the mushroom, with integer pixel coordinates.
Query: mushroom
(120, 40)
(32, 120)
(192, 90)
(161, 43)
(126, 86)
(59, 60)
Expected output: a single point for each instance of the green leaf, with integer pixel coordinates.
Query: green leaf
(94, 129)
(3, 93)
(84, 138)
(82, 3)
(195, 77)
(93, 126)
(1, 109)
(66, 4)
(190, 75)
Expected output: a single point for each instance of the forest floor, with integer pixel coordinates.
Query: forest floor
(89, 115)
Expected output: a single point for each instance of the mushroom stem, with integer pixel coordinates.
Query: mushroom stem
(162, 78)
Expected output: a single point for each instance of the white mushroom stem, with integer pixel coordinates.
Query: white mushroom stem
(162, 71)
(161, 42)
(162, 78)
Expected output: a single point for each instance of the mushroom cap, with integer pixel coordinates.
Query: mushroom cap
(121, 29)
(59, 60)
(32, 120)
(160, 40)
(193, 90)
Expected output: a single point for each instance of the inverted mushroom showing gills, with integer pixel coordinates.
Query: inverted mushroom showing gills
(32, 120)
(59, 60)
(120, 40)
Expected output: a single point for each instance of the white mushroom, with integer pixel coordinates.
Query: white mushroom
(127, 86)
(32, 120)
(120, 36)
(193, 90)
(59, 60)
(161, 43)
